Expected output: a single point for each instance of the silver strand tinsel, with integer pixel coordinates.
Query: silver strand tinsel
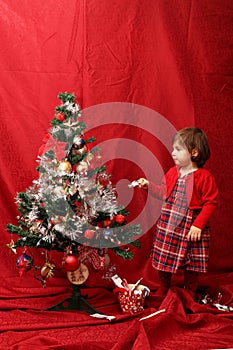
(51, 192)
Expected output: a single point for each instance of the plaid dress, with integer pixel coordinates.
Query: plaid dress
(171, 249)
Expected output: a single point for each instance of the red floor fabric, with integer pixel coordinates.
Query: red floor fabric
(171, 59)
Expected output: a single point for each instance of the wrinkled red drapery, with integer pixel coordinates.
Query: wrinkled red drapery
(173, 57)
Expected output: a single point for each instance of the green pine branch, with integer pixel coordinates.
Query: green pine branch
(125, 254)
(66, 96)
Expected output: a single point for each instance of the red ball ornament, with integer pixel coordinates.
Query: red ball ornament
(77, 204)
(107, 222)
(120, 218)
(89, 234)
(104, 182)
(71, 263)
(60, 116)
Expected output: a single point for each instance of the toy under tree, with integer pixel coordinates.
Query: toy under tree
(72, 206)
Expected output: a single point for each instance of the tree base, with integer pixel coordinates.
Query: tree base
(75, 302)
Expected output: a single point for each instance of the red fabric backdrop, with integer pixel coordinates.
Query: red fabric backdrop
(173, 57)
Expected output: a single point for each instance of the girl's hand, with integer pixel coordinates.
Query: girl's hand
(194, 234)
(143, 183)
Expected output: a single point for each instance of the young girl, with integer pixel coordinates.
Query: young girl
(189, 193)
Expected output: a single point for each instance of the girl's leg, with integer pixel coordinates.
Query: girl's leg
(165, 283)
(191, 281)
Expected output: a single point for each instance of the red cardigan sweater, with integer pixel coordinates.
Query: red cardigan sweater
(201, 191)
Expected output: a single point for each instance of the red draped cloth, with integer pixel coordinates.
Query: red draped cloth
(173, 61)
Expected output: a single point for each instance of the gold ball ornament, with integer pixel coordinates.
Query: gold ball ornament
(47, 270)
(64, 165)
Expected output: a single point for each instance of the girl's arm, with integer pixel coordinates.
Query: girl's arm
(209, 193)
(160, 191)
(157, 191)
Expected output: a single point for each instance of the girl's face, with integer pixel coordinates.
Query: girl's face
(181, 155)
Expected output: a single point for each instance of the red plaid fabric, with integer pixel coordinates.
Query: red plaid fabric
(171, 249)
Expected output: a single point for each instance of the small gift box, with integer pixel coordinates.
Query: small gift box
(131, 297)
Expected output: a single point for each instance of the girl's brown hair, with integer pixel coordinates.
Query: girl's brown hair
(194, 139)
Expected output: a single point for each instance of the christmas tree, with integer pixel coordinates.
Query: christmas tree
(72, 206)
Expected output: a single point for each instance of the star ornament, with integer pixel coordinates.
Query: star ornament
(11, 246)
